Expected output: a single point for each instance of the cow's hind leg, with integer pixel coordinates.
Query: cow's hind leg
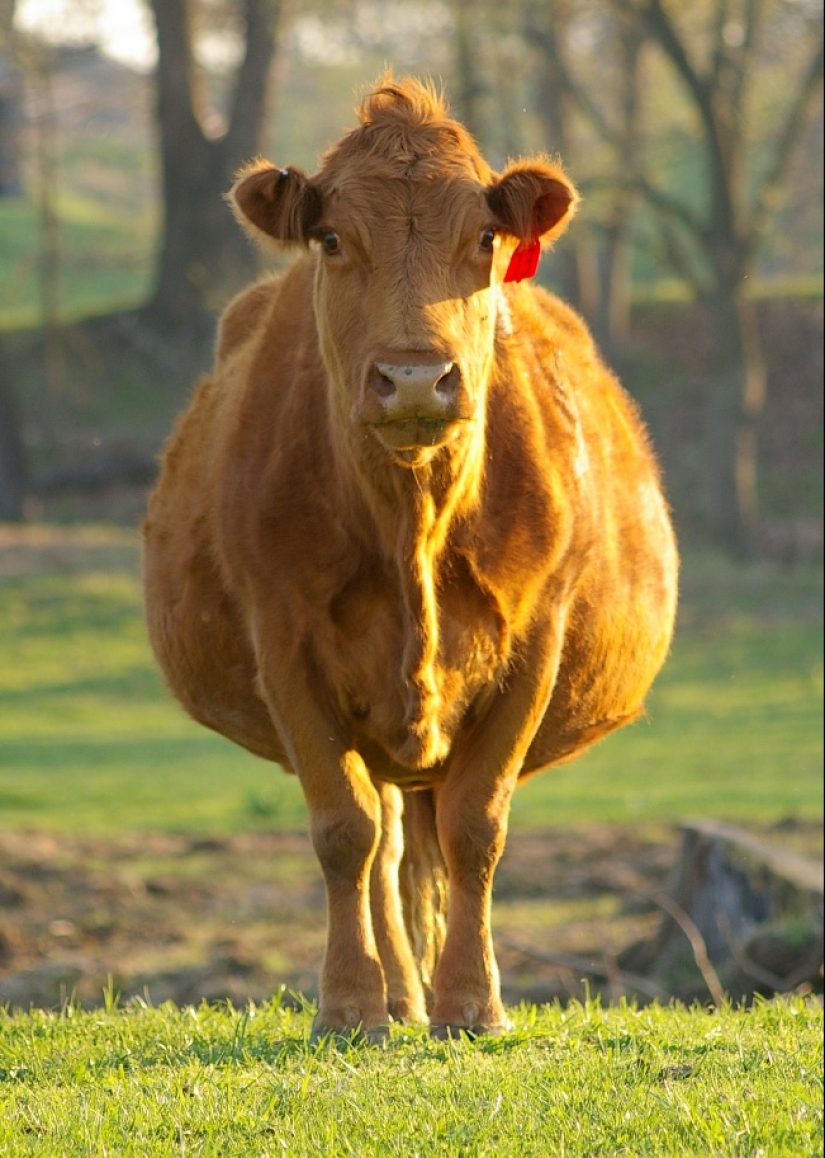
(405, 993)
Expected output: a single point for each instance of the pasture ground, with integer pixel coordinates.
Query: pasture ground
(186, 918)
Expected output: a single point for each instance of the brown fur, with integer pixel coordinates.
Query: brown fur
(408, 540)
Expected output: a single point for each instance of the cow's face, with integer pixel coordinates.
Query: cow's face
(414, 234)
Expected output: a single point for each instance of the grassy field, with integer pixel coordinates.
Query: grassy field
(89, 738)
(575, 1082)
(582, 1081)
(90, 741)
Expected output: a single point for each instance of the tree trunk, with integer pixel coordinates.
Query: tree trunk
(204, 257)
(11, 116)
(612, 320)
(470, 90)
(742, 916)
(574, 260)
(13, 467)
(735, 405)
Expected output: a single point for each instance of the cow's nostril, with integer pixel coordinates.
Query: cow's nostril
(383, 386)
(423, 382)
(447, 385)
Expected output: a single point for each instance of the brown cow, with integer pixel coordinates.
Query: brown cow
(409, 540)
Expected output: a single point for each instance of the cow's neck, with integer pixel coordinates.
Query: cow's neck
(413, 510)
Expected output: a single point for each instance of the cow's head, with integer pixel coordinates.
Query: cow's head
(415, 235)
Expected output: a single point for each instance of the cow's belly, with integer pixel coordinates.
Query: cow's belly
(608, 665)
(402, 695)
(199, 640)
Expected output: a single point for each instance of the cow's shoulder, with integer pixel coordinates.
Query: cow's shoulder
(553, 331)
(244, 317)
(576, 379)
(257, 311)
(561, 319)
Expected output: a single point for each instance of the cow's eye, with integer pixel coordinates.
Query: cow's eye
(330, 241)
(486, 240)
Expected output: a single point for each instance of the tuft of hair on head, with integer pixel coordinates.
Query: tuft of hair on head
(408, 100)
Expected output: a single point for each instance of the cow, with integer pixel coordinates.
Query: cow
(408, 541)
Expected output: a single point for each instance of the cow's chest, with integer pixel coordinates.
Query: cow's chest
(404, 666)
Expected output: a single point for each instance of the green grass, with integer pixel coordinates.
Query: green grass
(582, 1081)
(733, 730)
(90, 739)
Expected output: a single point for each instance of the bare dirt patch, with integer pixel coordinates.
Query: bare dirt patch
(185, 918)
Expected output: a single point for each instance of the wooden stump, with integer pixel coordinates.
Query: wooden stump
(741, 917)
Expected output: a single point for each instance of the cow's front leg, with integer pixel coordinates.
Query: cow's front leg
(345, 827)
(472, 811)
(345, 824)
(472, 829)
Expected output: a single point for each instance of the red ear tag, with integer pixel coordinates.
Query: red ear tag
(525, 260)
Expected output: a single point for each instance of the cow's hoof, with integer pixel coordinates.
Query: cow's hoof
(448, 1030)
(349, 1035)
(407, 1011)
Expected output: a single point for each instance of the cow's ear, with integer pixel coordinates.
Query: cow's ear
(275, 204)
(533, 201)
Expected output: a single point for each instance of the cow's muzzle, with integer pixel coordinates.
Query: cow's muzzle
(415, 403)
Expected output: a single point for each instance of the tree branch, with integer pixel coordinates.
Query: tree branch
(723, 144)
(664, 31)
(263, 20)
(678, 257)
(666, 205)
(177, 87)
(719, 58)
(603, 969)
(753, 22)
(785, 141)
(547, 40)
(697, 945)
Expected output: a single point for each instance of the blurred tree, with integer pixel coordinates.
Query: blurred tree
(596, 269)
(719, 50)
(203, 255)
(13, 462)
(524, 80)
(471, 19)
(11, 99)
(12, 453)
(547, 27)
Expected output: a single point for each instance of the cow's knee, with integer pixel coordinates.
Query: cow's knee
(471, 844)
(345, 844)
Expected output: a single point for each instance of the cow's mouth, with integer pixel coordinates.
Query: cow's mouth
(410, 436)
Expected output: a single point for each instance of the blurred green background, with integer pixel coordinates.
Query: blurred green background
(695, 133)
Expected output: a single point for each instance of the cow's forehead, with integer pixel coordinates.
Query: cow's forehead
(387, 191)
(423, 152)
